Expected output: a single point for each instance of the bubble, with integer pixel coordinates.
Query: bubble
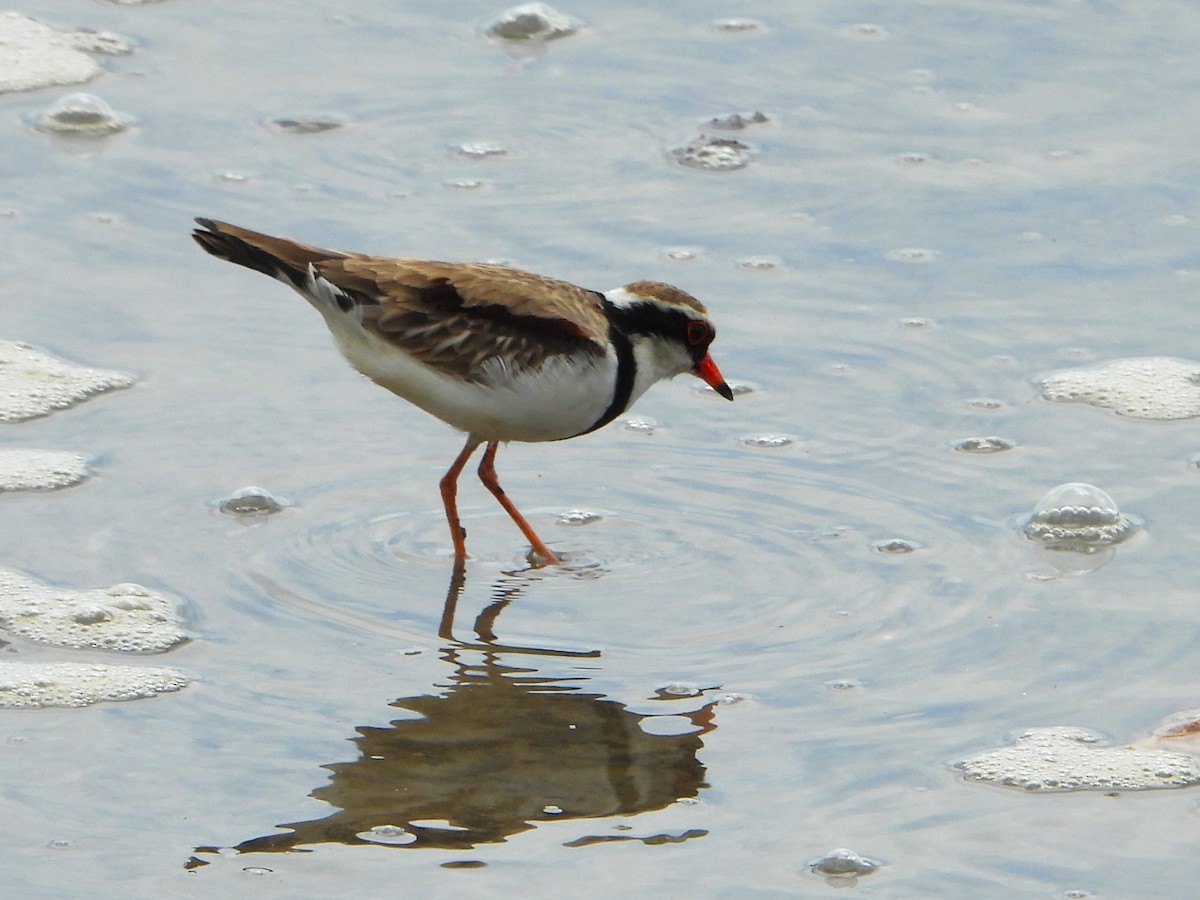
(250, 501)
(914, 159)
(758, 263)
(307, 123)
(577, 517)
(641, 425)
(480, 150)
(769, 440)
(733, 699)
(843, 684)
(532, 22)
(843, 863)
(551, 809)
(1155, 387)
(681, 253)
(911, 255)
(1065, 759)
(1078, 516)
(674, 689)
(897, 546)
(40, 470)
(464, 864)
(388, 834)
(915, 322)
(33, 383)
(249, 870)
(736, 121)
(868, 31)
(81, 114)
(464, 184)
(737, 26)
(987, 403)
(990, 444)
(713, 154)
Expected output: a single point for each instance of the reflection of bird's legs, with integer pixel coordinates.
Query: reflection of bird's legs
(458, 579)
(487, 474)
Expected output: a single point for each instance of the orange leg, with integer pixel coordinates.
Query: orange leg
(449, 486)
(487, 474)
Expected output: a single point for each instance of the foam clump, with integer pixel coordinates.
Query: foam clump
(33, 55)
(33, 383)
(126, 617)
(37, 685)
(713, 154)
(1078, 516)
(40, 470)
(533, 22)
(1151, 387)
(1063, 759)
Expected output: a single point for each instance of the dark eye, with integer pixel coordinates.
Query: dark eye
(697, 332)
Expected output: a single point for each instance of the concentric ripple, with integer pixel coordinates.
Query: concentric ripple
(689, 543)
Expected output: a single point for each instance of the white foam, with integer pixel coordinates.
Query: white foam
(34, 383)
(1152, 387)
(33, 55)
(126, 617)
(40, 470)
(35, 685)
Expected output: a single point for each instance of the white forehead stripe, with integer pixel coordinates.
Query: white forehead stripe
(622, 298)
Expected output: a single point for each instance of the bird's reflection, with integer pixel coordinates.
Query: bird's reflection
(498, 749)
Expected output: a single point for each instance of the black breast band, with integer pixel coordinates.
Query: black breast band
(623, 386)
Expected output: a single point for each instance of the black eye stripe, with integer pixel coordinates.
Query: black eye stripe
(671, 324)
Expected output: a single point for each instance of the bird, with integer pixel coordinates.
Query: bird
(498, 353)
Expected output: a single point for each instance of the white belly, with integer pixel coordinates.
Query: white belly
(557, 401)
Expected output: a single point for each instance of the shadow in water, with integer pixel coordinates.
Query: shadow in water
(500, 749)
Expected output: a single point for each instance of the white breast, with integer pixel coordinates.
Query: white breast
(559, 400)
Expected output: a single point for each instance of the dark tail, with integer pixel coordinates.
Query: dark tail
(280, 258)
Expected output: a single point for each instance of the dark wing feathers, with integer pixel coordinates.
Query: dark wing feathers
(453, 317)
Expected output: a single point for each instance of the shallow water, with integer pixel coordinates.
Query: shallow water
(940, 209)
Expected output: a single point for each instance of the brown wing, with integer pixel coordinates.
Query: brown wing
(457, 317)
(451, 316)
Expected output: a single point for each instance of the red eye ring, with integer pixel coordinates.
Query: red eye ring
(697, 332)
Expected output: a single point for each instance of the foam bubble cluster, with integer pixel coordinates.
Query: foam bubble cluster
(126, 617)
(33, 55)
(36, 685)
(1078, 516)
(33, 383)
(1152, 387)
(40, 470)
(713, 154)
(1070, 759)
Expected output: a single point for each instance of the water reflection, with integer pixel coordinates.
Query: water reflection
(499, 748)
